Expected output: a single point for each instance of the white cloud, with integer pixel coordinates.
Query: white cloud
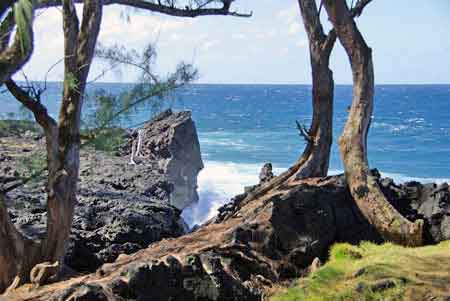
(142, 28)
(238, 36)
(284, 51)
(302, 43)
(175, 37)
(294, 28)
(265, 35)
(289, 14)
(208, 45)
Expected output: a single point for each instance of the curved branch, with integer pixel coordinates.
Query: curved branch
(359, 7)
(190, 12)
(354, 13)
(303, 132)
(39, 110)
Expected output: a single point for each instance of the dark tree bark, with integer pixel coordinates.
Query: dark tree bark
(353, 142)
(222, 7)
(315, 159)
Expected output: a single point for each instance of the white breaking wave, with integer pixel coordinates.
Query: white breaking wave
(218, 182)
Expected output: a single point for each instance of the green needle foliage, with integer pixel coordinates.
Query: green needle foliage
(23, 16)
(108, 112)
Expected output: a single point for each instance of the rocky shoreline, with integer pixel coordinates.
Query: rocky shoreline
(128, 234)
(122, 207)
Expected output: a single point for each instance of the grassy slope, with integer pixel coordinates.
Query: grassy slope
(418, 274)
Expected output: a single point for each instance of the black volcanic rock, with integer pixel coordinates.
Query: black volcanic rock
(256, 244)
(121, 208)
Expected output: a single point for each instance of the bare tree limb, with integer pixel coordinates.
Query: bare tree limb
(190, 12)
(303, 132)
(70, 27)
(39, 110)
(357, 10)
(87, 37)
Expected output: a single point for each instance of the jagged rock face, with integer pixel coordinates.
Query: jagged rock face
(121, 208)
(254, 243)
(171, 140)
(266, 173)
(430, 202)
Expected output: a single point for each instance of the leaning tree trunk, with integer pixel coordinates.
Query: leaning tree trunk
(315, 159)
(63, 154)
(64, 168)
(17, 253)
(353, 142)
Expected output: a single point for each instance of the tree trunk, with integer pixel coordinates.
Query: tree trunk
(63, 153)
(315, 159)
(63, 174)
(18, 258)
(353, 142)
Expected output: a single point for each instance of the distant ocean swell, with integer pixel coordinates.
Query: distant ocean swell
(218, 182)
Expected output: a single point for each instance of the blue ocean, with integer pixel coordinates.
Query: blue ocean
(241, 127)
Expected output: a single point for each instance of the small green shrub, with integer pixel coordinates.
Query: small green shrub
(107, 140)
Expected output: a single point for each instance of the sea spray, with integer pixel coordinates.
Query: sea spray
(220, 181)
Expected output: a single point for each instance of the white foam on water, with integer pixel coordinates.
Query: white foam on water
(218, 182)
(400, 178)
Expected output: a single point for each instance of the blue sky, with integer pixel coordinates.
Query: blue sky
(410, 41)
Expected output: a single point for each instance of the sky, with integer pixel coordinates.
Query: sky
(410, 41)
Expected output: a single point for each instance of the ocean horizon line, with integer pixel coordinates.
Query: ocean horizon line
(256, 84)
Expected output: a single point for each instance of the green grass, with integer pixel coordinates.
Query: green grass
(418, 273)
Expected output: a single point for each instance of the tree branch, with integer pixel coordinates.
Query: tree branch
(190, 12)
(359, 7)
(356, 11)
(70, 26)
(311, 21)
(303, 132)
(87, 37)
(328, 44)
(38, 109)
